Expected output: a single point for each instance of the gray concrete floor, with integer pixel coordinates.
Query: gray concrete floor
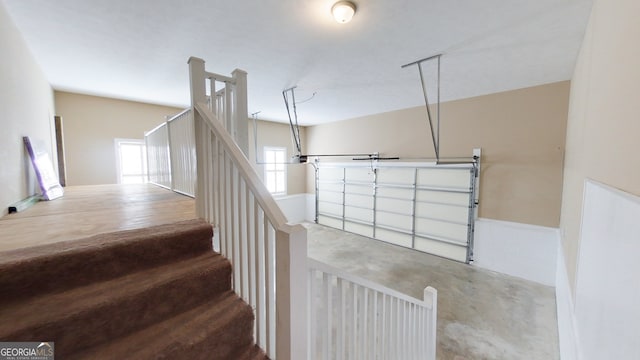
(481, 314)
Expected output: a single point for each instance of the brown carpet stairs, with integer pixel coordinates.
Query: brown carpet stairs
(155, 293)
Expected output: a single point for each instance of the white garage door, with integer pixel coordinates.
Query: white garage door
(426, 207)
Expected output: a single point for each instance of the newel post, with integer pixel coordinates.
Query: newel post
(197, 83)
(172, 166)
(241, 111)
(291, 293)
(431, 298)
(197, 76)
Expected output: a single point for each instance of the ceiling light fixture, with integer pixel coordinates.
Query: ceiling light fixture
(343, 11)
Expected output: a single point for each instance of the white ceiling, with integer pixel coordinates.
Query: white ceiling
(138, 49)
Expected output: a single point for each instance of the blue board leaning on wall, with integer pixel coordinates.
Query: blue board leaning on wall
(43, 167)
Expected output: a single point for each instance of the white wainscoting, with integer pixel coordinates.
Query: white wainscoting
(567, 336)
(521, 250)
(607, 287)
(298, 207)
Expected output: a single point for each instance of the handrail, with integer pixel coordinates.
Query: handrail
(221, 78)
(155, 129)
(178, 115)
(326, 268)
(263, 196)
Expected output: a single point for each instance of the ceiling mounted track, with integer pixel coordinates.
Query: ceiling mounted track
(435, 128)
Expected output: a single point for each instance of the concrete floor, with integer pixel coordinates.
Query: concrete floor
(481, 314)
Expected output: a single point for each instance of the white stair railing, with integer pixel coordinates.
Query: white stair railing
(353, 318)
(171, 154)
(158, 163)
(229, 104)
(304, 308)
(268, 255)
(182, 150)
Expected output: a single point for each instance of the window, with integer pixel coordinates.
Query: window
(131, 161)
(275, 170)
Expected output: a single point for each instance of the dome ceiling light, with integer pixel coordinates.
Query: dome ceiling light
(343, 11)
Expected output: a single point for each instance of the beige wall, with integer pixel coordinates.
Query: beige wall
(604, 114)
(278, 135)
(92, 123)
(521, 134)
(90, 126)
(27, 110)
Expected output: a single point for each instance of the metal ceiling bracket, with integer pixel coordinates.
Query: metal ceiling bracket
(289, 97)
(293, 121)
(435, 134)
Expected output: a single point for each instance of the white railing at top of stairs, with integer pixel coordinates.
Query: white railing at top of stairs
(356, 319)
(171, 154)
(268, 255)
(158, 164)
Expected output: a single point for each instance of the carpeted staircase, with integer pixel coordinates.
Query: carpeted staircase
(155, 293)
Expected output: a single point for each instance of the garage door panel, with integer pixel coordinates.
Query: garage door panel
(329, 221)
(360, 229)
(330, 208)
(329, 173)
(453, 232)
(443, 212)
(401, 222)
(359, 189)
(404, 176)
(394, 237)
(330, 196)
(363, 201)
(360, 214)
(395, 193)
(439, 248)
(394, 205)
(330, 186)
(440, 177)
(358, 175)
(443, 197)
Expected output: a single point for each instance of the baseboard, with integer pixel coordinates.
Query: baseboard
(567, 333)
(525, 251)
